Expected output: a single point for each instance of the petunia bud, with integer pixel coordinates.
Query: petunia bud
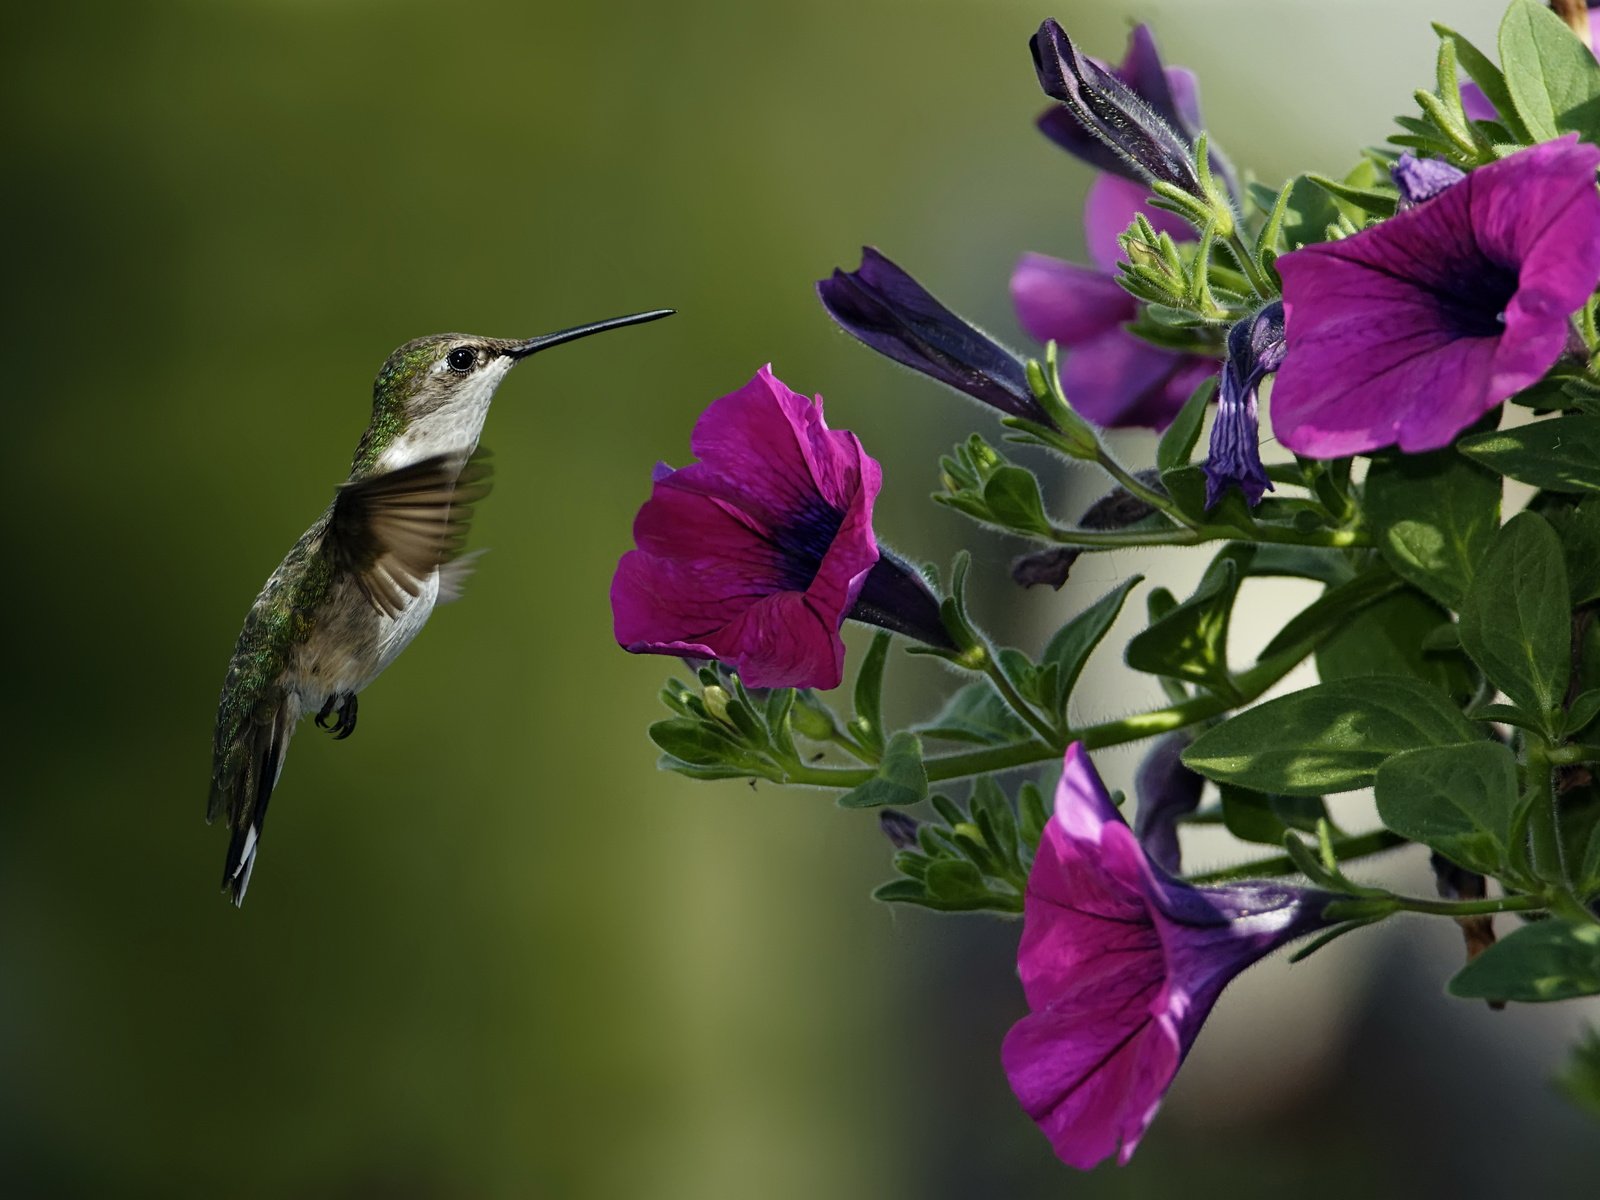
(1113, 112)
(1422, 179)
(886, 309)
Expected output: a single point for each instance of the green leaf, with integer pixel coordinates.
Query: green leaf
(1257, 817)
(992, 813)
(1516, 620)
(1012, 495)
(1392, 637)
(1334, 605)
(1375, 202)
(1548, 960)
(1553, 78)
(1307, 214)
(1581, 1079)
(1558, 453)
(1190, 642)
(868, 723)
(1328, 738)
(1577, 525)
(1584, 708)
(1460, 800)
(901, 778)
(1070, 648)
(1589, 873)
(1482, 71)
(703, 744)
(1434, 516)
(977, 713)
(1177, 443)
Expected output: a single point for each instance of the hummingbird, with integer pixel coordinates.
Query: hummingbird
(362, 581)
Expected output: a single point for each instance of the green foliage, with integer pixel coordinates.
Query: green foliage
(1177, 444)
(1547, 960)
(1328, 738)
(867, 724)
(1561, 454)
(1391, 637)
(1190, 641)
(900, 780)
(1257, 817)
(972, 859)
(976, 713)
(1064, 658)
(1581, 1079)
(1460, 800)
(1434, 516)
(1516, 618)
(1552, 77)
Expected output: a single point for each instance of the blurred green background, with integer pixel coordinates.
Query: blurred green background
(489, 950)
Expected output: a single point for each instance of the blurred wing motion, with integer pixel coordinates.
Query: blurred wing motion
(391, 532)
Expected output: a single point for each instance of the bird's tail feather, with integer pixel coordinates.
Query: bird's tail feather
(269, 741)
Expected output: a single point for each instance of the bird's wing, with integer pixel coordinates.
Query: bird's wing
(392, 531)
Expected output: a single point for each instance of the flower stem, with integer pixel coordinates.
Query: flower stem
(1470, 908)
(1047, 732)
(1263, 286)
(1345, 849)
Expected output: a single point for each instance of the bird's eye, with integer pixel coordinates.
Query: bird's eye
(461, 359)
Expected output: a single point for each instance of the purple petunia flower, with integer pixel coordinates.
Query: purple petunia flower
(1113, 377)
(1172, 94)
(1411, 330)
(886, 309)
(1121, 965)
(755, 554)
(1168, 791)
(1255, 350)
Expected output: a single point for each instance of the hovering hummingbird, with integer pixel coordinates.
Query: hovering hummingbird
(361, 582)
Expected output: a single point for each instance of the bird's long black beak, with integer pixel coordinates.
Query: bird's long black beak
(533, 345)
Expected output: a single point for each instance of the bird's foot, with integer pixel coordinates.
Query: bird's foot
(344, 719)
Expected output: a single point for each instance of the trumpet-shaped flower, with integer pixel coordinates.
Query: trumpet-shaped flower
(755, 554)
(1121, 965)
(1411, 330)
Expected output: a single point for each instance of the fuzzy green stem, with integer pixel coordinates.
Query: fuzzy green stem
(1345, 849)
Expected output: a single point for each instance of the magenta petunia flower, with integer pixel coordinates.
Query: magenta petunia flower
(1111, 376)
(1411, 330)
(755, 554)
(1121, 965)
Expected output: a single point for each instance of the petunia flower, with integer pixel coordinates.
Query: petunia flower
(1121, 965)
(757, 553)
(1411, 330)
(886, 309)
(1171, 93)
(1168, 791)
(1113, 377)
(1255, 350)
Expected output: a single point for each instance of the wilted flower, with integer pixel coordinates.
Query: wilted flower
(1255, 350)
(756, 553)
(1113, 377)
(1411, 330)
(895, 315)
(1121, 965)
